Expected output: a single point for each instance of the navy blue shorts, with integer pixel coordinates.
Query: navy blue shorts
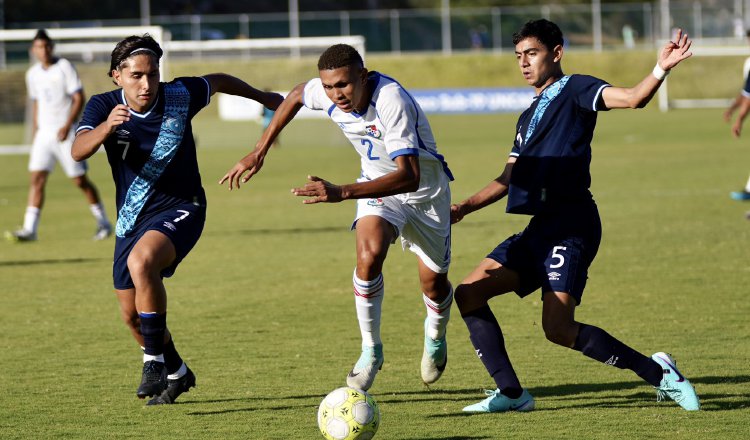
(554, 252)
(182, 224)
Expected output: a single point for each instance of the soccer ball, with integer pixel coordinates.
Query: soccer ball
(348, 414)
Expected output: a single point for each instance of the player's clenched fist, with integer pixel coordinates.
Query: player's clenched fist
(119, 115)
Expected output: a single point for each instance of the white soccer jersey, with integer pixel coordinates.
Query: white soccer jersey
(394, 125)
(52, 89)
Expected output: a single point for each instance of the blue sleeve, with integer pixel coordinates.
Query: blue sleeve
(95, 112)
(516, 150)
(200, 93)
(588, 90)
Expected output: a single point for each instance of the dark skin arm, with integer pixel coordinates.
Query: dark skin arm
(223, 83)
(405, 179)
(253, 162)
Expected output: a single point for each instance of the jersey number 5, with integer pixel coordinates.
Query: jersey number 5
(369, 149)
(560, 258)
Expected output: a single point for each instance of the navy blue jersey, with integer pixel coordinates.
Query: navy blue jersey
(746, 89)
(153, 155)
(553, 147)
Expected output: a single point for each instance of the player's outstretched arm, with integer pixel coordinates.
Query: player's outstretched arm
(88, 141)
(404, 179)
(637, 97)
(231, 85)
(253, 162)
(494, 191)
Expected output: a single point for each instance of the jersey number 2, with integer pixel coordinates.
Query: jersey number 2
(369, 149)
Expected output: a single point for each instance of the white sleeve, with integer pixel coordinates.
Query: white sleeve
(398, 113)
(314, 97)
(30, 85)
(72, 81)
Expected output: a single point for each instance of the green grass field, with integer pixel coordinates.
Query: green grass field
(263, 312)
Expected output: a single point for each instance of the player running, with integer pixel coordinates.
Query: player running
(57, 98)
(403, 190)
(547, 176)
(146, 130)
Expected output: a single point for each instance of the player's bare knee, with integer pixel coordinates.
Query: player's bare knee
(141, 264)
(369, 264)
(560, 334)
(466, 299)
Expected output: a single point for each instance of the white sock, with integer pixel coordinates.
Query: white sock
(179, 373)
(97, 209)
(31, 219)
(437, 316)
(368, 299)
(149, 357)
(747, 187)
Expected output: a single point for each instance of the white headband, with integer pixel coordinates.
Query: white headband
(141, 49)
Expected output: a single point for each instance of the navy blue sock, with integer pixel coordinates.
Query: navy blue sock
(172, 359)
(487, 338)
(153, 327)
(601, 346)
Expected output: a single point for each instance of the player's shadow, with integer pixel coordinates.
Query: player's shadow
(281, 231)
(463, 437)
(51, 261)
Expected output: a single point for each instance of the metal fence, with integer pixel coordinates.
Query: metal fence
(593, 25)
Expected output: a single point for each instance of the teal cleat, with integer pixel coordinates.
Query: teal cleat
(497, 402)
(363, 374)
(740, 195)
(434, 358)
(674, 385)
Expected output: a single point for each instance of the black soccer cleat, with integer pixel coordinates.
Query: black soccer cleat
(154, 379)
(174, 389)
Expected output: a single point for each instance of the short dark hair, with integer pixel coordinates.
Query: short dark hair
(126, 47)
(545, 31)
(339, 55)
(41, 34)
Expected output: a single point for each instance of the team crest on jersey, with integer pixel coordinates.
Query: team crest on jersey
(372, 130)
(375, 202)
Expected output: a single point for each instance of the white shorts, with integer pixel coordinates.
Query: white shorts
(46, 150)
(425, 228)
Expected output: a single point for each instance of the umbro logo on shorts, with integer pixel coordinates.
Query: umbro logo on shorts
(170, 226)
(553, 276)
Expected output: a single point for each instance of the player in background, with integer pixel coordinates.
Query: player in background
(743, 96)
(57, 98)
(403, 190)
(145, 127)
(547, 176)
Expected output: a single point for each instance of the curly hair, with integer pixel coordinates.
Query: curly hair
(339, 55)
(144, 44)
(545, 31)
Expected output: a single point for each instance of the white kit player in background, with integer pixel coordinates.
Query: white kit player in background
(403, 190)
(57, 99)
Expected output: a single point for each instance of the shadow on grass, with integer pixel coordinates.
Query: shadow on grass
(573, 396)
(279, 231)
(463, 437)
(52, 261)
